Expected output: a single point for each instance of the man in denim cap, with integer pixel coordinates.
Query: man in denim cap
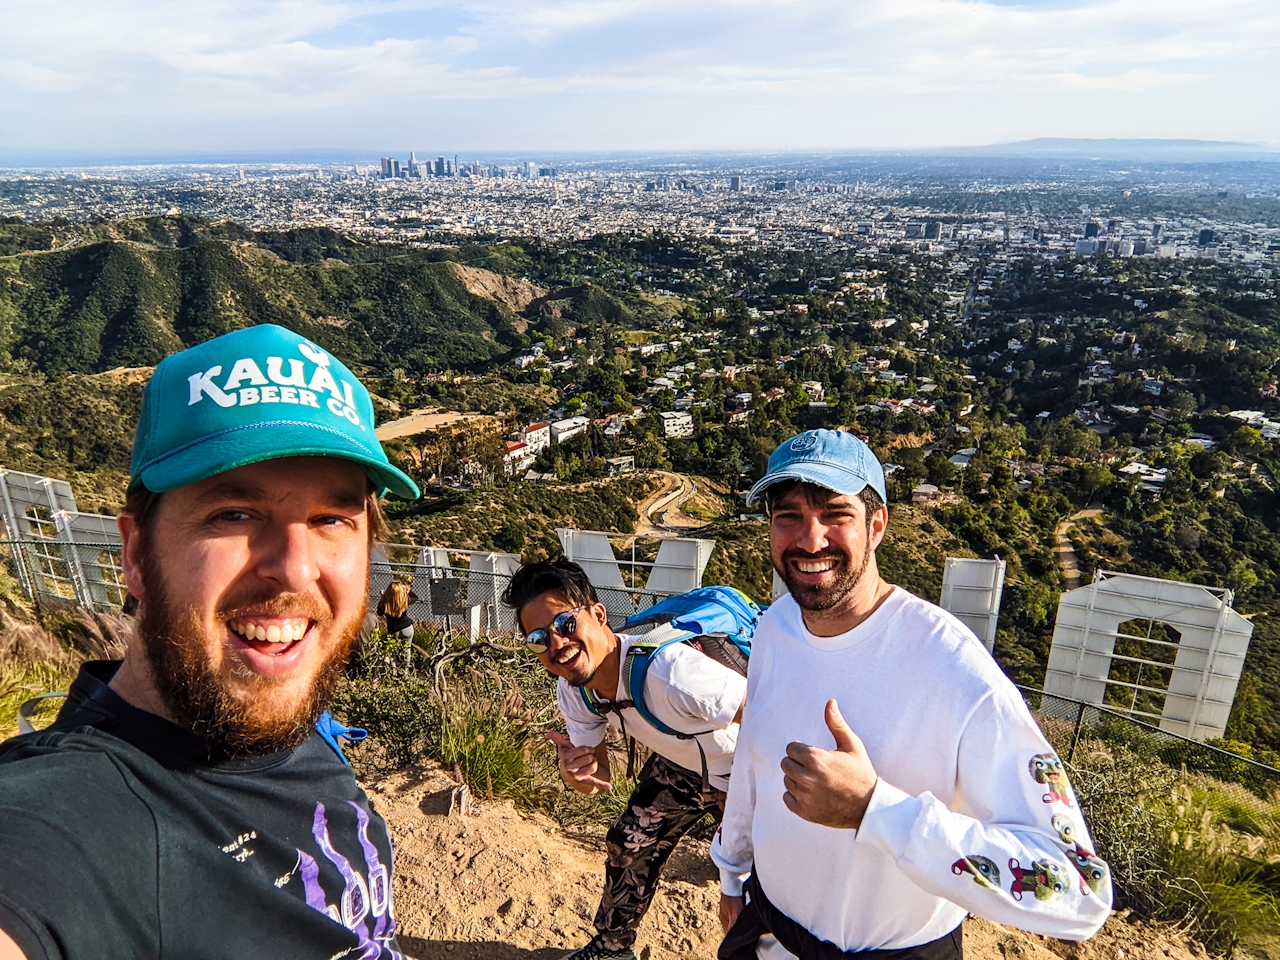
(888, 777)
(192, 800)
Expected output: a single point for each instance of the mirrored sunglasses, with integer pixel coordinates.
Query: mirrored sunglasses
(564, 625)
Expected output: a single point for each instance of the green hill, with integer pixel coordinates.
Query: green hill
(128, 293)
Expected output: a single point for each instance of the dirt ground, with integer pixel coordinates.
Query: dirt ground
(420, 421)
(494, 884)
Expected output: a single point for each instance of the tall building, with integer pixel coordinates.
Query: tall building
(386, 168)
(440, 167)
(735, 184)
(1092, 229)
(1206, 237)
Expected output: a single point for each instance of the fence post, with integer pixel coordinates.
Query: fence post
(1075, 734)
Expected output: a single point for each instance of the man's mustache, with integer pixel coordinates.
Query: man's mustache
(277, 605)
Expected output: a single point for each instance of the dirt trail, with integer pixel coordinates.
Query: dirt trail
(1066, 551)
(497, 885)
(420, 421)
(661, 514)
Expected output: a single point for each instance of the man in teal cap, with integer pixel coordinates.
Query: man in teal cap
(191, 800)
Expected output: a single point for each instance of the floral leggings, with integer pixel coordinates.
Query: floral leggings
(665, 804)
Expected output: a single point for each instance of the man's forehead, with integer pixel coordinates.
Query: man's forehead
(339, 482)
(813, 495)
(552, 600)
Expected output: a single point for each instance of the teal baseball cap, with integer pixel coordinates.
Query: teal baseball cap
(257, 394)
(833, 459)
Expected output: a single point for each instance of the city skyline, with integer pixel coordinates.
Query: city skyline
(140, 78)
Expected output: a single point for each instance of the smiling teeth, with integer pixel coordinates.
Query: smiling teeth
(286, 632)
(569, 656)
(819, 567)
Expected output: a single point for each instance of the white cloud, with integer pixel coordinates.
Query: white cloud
(248, 63)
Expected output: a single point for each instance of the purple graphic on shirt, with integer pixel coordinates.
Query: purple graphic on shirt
(379, 876)
(356, 902)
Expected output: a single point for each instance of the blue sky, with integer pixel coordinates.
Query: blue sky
(564, 75)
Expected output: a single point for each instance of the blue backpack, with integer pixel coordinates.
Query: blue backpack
(718, 621)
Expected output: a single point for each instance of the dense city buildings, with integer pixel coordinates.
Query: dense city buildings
(1052, 209)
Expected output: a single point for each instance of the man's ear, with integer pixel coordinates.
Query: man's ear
(601, 613)
(879, 526)
(131, 553)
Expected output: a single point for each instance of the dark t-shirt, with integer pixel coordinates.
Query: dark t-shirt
(121, 838)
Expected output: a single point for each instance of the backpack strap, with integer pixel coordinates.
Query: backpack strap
(330, 730)
(634, 671)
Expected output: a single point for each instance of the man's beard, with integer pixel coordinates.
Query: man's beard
(582, 678)
(815, 598)
(250, 720)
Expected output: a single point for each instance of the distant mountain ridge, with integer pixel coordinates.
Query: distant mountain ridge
(1124, 149)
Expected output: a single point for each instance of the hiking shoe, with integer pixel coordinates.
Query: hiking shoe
(596, 950)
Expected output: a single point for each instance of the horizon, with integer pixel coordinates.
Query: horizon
(1083, 149)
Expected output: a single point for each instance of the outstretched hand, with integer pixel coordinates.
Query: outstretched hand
(829, 787)
(578, 765)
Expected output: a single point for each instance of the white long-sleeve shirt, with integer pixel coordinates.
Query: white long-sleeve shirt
(685, 689)
(971, 814)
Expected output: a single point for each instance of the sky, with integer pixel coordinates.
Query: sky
(143, 77)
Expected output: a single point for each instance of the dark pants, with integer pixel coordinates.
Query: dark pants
(665, 804)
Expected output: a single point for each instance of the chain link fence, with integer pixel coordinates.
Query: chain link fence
(1072, 725)
(57, 570)
(450, 599)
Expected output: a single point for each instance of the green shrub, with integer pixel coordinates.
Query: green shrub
(20, 682)
(1188, 851)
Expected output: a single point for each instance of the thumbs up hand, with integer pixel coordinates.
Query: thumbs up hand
(830, 787)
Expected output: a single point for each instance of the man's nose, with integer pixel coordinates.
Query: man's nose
(813, 536)
(286, 556)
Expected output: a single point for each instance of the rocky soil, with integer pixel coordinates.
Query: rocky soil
(490, 883)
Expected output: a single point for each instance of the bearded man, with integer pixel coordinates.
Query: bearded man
(888, 777)
(191, 800)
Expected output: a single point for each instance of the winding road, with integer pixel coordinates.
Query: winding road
(661, 514)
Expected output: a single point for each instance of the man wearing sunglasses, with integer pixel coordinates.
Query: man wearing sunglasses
(567, 628)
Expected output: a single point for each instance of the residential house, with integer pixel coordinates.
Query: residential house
(537, 436)
(677, 424)
(562, 430)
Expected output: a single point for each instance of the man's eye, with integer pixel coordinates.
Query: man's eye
(332, 521)
(231, 516)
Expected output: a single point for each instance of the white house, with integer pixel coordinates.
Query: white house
(562, 430)
(677, 424)
(537, 436)
(517, 459)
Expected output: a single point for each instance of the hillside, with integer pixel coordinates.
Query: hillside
(121, 303)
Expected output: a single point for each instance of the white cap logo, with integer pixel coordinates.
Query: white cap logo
(314, 354)
(806, 441)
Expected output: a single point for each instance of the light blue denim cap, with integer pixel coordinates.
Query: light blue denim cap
(833, 459)
(257, 394)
